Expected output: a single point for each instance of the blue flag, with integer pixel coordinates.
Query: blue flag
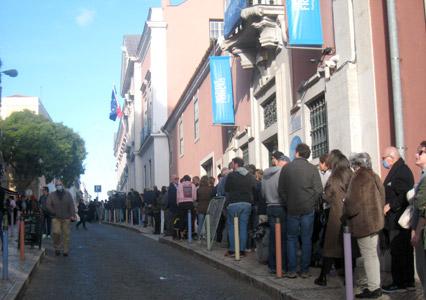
(115, 107)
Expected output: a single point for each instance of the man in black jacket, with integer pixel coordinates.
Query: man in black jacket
(240, 186)
(397, 183)
(300, 188)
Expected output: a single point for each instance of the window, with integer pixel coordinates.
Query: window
(196, 120)
(269, 112)
(208, 167)
(319, 127)
(216, 29)
(180, 129)
(145, 176)
(245, 157)
(150, 173)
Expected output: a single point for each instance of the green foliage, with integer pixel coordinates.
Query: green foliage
(34, 146)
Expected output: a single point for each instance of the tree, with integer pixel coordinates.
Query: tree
(33, 146)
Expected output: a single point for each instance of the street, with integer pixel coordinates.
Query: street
(107, 262)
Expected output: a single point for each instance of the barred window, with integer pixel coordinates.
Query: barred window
(216, 29)
(246, 157)
(196, 119)
(269, 112)
(319, 127)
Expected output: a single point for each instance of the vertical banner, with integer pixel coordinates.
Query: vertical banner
(304, 23)
(222, 98)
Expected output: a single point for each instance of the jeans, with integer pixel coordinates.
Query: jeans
(275, 212)
(242, 210)
(368, 247)
(301, 225)
(47, 224)
(200, 221)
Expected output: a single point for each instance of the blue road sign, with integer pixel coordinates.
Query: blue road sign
(98, 188)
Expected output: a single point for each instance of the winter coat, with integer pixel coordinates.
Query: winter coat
(270, 180)
(397, 183)
(364, 202)
(204, 195)
(300, 187)
(335, 192)
(171, 198)
(240, 186)
(61, 205)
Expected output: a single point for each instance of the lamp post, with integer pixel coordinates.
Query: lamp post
(10, 73)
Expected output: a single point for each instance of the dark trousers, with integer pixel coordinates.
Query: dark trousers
(183, 214)
(157, 222)
(47, 224)
(82, 220)
(402, 257)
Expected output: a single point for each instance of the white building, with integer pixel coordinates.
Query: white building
(16, 103)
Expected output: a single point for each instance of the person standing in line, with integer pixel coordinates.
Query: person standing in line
(240, 187)
(363, 212)
(172, 208)
(300, 189)
(204, 195)
(186, 195)
(397, 183)
(47, 218)
(418, 239)
(335, 192)
(275, 208)
(61, 205)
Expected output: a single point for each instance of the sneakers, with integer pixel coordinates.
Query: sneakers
(367, 294)
(230, 253)
(393, 288)
(321, 281)
(291, 275)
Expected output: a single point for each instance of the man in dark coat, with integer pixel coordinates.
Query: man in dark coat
(398, 182)
(300, 188)
(172, 209)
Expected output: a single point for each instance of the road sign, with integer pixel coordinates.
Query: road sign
(98, 188)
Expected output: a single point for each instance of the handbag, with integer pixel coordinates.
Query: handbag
(405, 219)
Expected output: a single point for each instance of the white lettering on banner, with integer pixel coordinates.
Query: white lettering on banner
(302, 5)
(220, 90)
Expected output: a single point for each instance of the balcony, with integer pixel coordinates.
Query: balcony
(252, 27)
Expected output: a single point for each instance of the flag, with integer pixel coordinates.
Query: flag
(115, 107)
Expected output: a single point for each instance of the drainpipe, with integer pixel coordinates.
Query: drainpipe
(396, 77)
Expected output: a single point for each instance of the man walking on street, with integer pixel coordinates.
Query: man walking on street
(61, 205)
(275, 208)
(300, 189)
(397, 183)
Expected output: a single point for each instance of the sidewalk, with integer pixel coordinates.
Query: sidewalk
(256, 274)
(19, 271)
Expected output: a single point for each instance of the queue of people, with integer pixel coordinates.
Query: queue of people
(312, 204)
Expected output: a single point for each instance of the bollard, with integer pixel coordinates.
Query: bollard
(131, 217)
(5, 249)
(236, 238)
(207, 224)
(127, 216)
(162, 221)
(278, 253)
(139, 216)
(21, 239)
(114, 216)
(189, 226)
(348, 263)
(12, 227)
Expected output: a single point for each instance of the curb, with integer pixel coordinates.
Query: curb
(16, 292)
(239, 274)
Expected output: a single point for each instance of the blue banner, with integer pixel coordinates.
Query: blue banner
(222, 98)
(233, 16)
(304, 23)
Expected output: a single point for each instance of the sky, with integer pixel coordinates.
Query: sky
(68, 52)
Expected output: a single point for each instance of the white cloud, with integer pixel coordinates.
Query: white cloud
(85, 17)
